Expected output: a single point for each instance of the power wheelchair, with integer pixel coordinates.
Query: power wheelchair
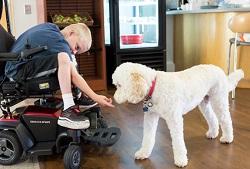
(33, 130)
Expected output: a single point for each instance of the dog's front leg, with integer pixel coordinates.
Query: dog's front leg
(175, 125)
(149, 131)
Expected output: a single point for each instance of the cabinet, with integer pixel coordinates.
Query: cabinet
(92, 64)
(198, 41)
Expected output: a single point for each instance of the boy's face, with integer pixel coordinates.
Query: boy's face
(78, 45)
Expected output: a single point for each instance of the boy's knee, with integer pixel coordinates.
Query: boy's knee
(63, 58)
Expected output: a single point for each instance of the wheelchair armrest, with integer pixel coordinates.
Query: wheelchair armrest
(25, 54)
(28, 52)
(9, 56)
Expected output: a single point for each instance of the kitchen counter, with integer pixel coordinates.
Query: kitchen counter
(202, 37)
(216, 10)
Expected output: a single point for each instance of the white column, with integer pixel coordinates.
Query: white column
(170, 43)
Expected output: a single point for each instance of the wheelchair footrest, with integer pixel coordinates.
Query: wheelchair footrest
(104, 136)
(42, 148)
(53, 103)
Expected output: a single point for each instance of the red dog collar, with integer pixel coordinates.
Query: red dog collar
(152, 87)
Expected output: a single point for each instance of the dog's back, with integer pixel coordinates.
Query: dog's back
(206, 76)
(192, 85)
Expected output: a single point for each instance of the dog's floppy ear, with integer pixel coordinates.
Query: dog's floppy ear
(138, 88)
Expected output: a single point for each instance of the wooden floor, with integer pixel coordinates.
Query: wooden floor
(202, 153)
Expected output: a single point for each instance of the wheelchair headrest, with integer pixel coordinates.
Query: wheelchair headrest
(6, 40)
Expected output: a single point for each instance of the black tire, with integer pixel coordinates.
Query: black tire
(10, 148)
(101, 123)
(72, 157)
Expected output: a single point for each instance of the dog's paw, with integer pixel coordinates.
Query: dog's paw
(181, 162)
(226, 140)
(141, 155)
(212, 134)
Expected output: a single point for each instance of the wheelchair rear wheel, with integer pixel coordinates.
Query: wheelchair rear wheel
(10, 148)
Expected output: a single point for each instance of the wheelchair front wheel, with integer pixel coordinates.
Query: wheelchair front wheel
(72, 157)
(101, 123)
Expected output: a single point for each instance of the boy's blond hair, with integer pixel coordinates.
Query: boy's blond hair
(80, 29)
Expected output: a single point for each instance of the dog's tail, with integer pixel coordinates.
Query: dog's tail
(234, 78)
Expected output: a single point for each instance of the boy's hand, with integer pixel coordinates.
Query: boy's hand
(104, 101)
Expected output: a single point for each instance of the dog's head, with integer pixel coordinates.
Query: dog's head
(132, 82)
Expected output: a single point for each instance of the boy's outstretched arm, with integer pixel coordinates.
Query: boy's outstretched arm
(78, 81)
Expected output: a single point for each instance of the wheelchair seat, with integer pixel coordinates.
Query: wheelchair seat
(15, 92)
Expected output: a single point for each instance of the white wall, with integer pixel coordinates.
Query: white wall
(18, 19)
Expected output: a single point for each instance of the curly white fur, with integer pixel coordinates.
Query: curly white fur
(175, 94)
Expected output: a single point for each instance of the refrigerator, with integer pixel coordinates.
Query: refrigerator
(135, 31)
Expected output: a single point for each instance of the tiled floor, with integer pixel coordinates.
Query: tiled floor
(28, 163)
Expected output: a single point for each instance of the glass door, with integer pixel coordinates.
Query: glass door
(138, 24)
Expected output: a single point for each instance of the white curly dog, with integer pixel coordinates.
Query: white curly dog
(170, 95)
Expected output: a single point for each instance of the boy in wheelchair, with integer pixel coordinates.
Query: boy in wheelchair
(36, 65)
(61, 46)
